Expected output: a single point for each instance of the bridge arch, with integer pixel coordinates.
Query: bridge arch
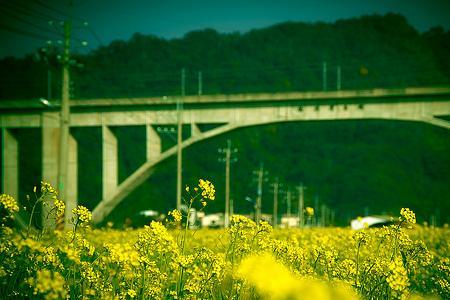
(104, 208)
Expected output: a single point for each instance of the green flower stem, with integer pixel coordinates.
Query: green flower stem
(357, 265)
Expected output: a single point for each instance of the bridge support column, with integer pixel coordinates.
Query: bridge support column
(10, 164)
(195, 130)
(72, 182)
(153, 144)
(110, 162)
(50, 154)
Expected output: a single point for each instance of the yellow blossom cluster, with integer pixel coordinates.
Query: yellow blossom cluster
(51, 285)
(407, 215)
(248, 260)
(398, 278)
(176, 215)
(82, 215)
(208, 190)
(47, 188)
(59, 207)
(131, 293)
(9, 204)
(309, 211)
(361, 237)
(275, 281)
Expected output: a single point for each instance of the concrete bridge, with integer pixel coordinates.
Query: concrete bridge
(229, 112)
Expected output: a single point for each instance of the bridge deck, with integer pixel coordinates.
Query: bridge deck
(235, 98)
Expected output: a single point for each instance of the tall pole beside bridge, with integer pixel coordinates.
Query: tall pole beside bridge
(64, 123)
(227, 160)
(260, 174)
(180, 138)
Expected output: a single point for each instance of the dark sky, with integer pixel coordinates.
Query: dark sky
(118, 19)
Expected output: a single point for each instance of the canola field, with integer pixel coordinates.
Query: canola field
(245, 261)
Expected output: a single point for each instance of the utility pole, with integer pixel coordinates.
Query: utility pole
(227, 151)
(227, 184)
(323, 215)
(259, 197)
(200, 83)
(316, 211)
(324, 75)
(275, 186)
(64, 115)
(288, 203)
(300, 205)
(180, 137)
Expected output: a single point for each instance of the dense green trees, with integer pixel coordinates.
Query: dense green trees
(372, 51)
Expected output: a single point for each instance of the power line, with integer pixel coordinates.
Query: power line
(95, 35)
(55, 10)
(24, 32)
(17, 17)
(30, 12)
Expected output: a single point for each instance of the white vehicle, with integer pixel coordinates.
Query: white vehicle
(213, 220)
(369, 221)
(289, 222)
(149, 213)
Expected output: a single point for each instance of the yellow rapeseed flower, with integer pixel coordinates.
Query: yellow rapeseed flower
(273, 280)
(309, 211)
(398, 278)
(208, 190)
(176, 214)
(408, 215)
(59, 206)
(9, 204)
(48, 188)
(131, 293)
(49, 284)
(82, 215)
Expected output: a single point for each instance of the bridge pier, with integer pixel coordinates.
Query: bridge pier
(72, 181)
(110, 162)
(10, 164)
(50, 154)
(50, 163)
(153, 143)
